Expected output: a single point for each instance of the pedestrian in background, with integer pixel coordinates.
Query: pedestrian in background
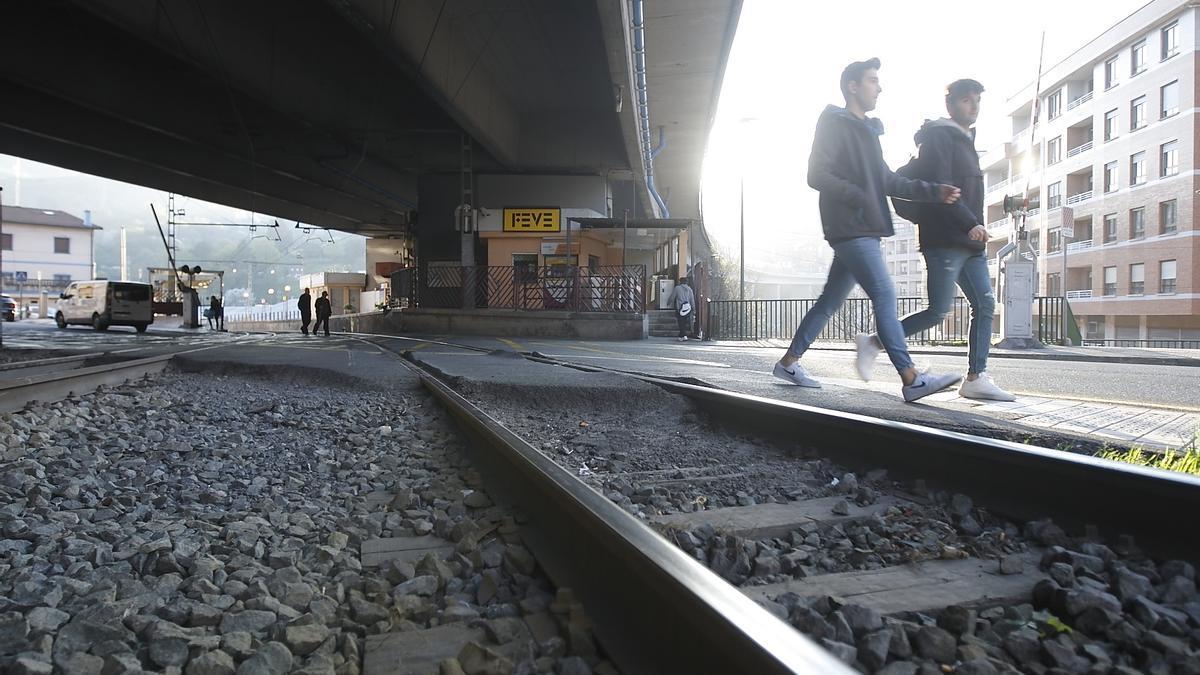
(324, 311)
(218, 312)
(847, 168)
(210, 312)
(953, 239)
(305, 305)
(683, 301)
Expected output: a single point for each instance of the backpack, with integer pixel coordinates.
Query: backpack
(913, 212)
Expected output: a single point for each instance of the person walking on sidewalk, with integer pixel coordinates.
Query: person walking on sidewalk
(683, 301)
(846, 167)
(324, 311)
(305, 305)
(953, 240)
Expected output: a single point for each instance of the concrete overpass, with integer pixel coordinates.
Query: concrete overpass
(351, 114)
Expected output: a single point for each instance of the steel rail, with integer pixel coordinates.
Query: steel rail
(1022, 482)
(653, 607)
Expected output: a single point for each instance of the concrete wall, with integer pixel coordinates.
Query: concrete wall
(508, 323)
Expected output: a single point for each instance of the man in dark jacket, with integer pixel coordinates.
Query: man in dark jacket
(847, 168)
(953, 240)
(324, 311)
(305, 305)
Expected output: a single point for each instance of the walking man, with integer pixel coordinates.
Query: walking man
(324, 310)
(218, 312)
(846, 166)
(305, 305)
(953, 240)
(683, 301)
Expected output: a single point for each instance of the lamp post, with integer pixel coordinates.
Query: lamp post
(742, 217)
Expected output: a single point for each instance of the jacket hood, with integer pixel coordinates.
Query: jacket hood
(872, 124)
(931, 126)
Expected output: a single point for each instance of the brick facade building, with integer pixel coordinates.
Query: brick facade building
(1116, 142)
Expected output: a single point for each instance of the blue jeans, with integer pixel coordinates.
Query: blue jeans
(946, 267)
(856, 261)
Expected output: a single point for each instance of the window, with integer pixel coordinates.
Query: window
(525, 268)
(1166, 276)
(1110, 73)
(62, 244)
(1054, 195)
(1137, 279)
(1110, 228)
(1169, 39)
(1054, 241)
(1137, 113)
(1168, 217)
(1137, 168)
(902, 247)
(1054, 284)
(1110, 125)
(1054, 105)
(6, 242)
(902, 267)
(1110, 177)
(1137, 57)
(1137, 223)
(62, 279)
(1035, 240)
(1168, 96)
(1054, 150)
(1110, 280)
(1168, 159)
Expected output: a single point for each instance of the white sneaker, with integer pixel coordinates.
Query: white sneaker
(868, 349)
(682, 338)
(926, 384)
(796, 374)
(984, 388)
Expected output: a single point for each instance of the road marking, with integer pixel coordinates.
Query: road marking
(512, 344)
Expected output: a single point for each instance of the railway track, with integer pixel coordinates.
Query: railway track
(683, 568)
(1069, 505)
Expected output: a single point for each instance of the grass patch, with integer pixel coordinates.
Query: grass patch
(1187, 461)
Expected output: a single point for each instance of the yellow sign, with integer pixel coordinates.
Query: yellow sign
(533, 220)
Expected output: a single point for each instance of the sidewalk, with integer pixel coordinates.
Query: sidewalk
(1134, 355)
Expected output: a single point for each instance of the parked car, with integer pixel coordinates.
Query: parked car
(102, 303)
(8, 308)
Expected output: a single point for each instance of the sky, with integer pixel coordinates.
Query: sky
(783, 70)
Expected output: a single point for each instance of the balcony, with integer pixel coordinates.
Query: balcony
(1079, 245)
(1079, 149)
(1079, 101)
(998, 185)
(1081, 197)
(1079, 295)
(997, 223)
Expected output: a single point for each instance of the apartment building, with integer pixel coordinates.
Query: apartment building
(1116, 144)
(902, 254)
(43, 247)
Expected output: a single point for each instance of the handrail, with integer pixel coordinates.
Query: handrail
(1080, 101)
(1081, 197)
(1079, 148)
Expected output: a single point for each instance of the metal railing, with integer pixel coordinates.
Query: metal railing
(1079, 148)
(997, 185)
(997, 223)
(1080, 294)
(1079, 245)
(1152, 344)
(778, 320)
(559, 287)
(1081, 197)
(1075, 103)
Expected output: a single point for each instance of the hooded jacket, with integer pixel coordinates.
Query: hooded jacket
(947, 155)
(846, 166)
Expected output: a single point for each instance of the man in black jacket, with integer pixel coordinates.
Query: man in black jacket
(847, 168)
(953, 240)
(305, 305)
(324, 311)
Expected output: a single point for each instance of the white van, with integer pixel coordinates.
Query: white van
(101, 304)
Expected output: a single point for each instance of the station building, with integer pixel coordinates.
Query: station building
(1115, 155)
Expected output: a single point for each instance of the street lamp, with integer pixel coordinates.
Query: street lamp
(742, 217)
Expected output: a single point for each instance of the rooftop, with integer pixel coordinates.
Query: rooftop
(26, 216)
